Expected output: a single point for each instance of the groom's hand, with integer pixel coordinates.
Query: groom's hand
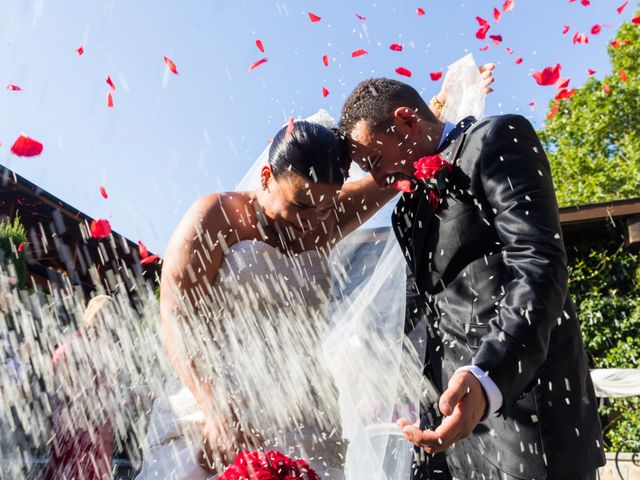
(463, 405)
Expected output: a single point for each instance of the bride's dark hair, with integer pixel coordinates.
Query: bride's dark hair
(309, 150)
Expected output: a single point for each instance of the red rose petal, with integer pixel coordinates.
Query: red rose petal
(554, 110)
(435, 76)
(260, 45)
(508, 5)
(565, 94)
(20, 247)
(80, 50)
(621, 8)
(636, 20)
(289, 131)
(497, 39)
(497, 14)
(596, 29)
(171, 66)
(142, 250)
(518, 60)
(103, 192)
(26, 147)
(532, 104)
(110, 83)
(509, 50)
(109, 100)
(623, 75)
(590, 71)
(360, 17)
(149, 259)
(325, 60)
(255, 65)
(396, 47)
(548, 76)
(403, 71)
(586, 3)
(420, 11)
(481, 34)
(606, 88)
(13, 88)
(582, 38)
(484, 48)
(565, 29)
(620, 43)
(358, 53)
(100, 228)
(313, 17)
(481, 21)
(563, 83)
(325, 92)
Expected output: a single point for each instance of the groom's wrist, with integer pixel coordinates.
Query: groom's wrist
(491, 390)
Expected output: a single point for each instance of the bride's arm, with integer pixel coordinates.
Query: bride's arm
(192, 260)
(358, 201)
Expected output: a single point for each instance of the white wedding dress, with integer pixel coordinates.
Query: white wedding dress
(267, 363)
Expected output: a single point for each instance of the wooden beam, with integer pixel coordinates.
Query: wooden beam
(599, 211)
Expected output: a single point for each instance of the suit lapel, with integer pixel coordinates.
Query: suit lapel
(423, 213)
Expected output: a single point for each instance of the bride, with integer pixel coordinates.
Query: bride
(244, 292)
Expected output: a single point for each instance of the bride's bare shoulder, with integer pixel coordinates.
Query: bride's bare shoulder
(215, 213)
(219, 209)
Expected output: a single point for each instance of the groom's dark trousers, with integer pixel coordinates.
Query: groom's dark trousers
(490, 266)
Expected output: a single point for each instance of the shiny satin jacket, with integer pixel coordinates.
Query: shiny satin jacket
(490, 264)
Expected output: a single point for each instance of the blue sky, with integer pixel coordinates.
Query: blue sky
(170, 139)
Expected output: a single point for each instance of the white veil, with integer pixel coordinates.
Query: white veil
(376, 367)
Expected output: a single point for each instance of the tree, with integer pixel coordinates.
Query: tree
(13, 239)
(593, 142)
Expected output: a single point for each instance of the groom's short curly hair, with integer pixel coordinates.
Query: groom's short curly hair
(374, 101)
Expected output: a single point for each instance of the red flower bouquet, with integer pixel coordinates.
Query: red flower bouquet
(433, 171)
(270, 465)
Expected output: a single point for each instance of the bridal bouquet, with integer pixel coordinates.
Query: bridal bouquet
(270, 465)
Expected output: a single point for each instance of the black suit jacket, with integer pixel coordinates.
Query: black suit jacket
(490, 264)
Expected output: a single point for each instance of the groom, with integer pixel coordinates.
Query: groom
(484, 244)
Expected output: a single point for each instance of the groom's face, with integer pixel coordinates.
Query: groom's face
(387, 154)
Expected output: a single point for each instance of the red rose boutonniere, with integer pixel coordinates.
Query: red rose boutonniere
(433, 171)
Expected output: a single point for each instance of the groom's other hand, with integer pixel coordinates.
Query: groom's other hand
(486, 73)
(463, 405)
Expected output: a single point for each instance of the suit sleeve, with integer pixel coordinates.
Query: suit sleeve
(516, 179)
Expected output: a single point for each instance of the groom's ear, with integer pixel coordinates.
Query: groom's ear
(406, 121)
(265, 175)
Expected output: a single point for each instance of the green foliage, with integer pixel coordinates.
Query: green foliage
(12, 234)
(605, 284)
(593, 142)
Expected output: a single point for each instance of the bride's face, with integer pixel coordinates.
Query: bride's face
(296, 204)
